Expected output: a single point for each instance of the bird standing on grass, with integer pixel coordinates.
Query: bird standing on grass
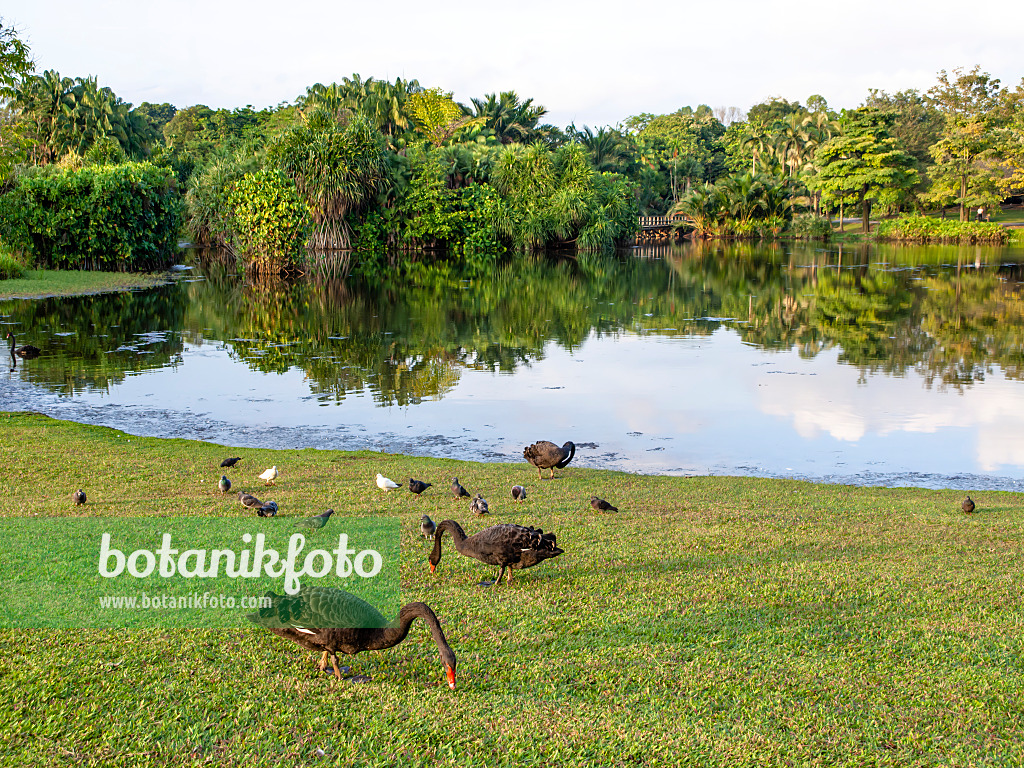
(385, 483)
(331, 621)
(518, 493)
(317, 522)
(427, 527)
(506, 545)
(224, 484)
(231, 462)
(967, 505)
(78, 497)
(418, 486)
(457, 490)
(248, 500)
(546, 455)
(479, 505)
(268, 476)
(269, 509)
(601, 505)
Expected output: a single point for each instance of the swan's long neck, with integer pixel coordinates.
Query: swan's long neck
(389, 637)
(458, 537)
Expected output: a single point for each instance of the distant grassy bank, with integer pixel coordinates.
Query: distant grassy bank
(713, 621)
(40, 283)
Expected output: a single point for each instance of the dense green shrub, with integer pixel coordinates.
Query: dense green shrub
(810, 226)
(108, 217)
(10, 267)
(271, 222)
(925, 229)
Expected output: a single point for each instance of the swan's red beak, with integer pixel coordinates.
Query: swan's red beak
(432, 567)
(451, 677)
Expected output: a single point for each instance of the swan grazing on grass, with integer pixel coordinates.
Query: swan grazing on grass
(331, 621)
(506, 545)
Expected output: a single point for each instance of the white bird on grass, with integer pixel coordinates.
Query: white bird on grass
(270, 475)
(385, 484)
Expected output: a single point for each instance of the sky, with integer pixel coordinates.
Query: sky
(589, 63)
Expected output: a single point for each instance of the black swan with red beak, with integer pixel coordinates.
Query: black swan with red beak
(332, 621)
(28, 351)
(506, 545)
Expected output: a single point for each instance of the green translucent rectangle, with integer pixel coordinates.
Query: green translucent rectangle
(71, 573)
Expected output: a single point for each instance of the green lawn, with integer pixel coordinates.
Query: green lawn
(712, 621)
(38, 283)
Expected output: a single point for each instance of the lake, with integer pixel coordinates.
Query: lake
(864, 364)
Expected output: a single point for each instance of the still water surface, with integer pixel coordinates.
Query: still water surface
(870, 365)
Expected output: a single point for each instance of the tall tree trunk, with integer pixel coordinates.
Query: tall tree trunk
(865, 221)
(963, 198)
(842, 213)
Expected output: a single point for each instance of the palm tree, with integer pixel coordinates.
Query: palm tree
(510, 119)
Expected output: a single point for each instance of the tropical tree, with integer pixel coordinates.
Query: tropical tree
(337, 170)
(15, 64)
(511, 120)
(863, 162)
(965, 171)
(437, 117)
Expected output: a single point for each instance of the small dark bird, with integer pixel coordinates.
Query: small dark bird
(231, 462)
(418, 486)
(78, 497)
(479, 505)
(601, 505)
(318, 522)
(224, 484)
(248, 500)
(457, 490)
(269, 509)
(518, 493)
(967, 505)
(28, 351)
(546, 455)
(427, 527)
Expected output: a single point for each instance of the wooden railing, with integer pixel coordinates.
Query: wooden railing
(658, 222)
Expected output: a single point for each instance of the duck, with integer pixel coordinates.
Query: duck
(547, 455)
(332, 621)
(518, 493)
(268, 476)
(27, 351)
(457, 490)
(78, 497)
(418, 486)
(967, 505)
(601, 505)
(479, 505)
(224, 484)
(385, 483)
(504, 545)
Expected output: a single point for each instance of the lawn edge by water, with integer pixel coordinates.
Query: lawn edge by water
(712, 621)
(47, 283)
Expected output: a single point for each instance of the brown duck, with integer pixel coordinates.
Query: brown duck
(546, 455)
(506, 545)
(332, 621)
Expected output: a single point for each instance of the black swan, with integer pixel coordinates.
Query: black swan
(546, 455)
(506, 545)
(967, 505)
(28, 351)
(457, 490)
(601, 505)
(331, 621)
(427, 527)
(418, 486)
(231, 462)
(518, 493)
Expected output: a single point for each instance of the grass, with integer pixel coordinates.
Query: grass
(713, 621)
(39, 283)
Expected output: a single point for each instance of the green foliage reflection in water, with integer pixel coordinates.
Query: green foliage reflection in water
(410, 338)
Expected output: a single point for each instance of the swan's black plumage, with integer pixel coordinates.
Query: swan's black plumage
(27, 351)
(506, 545)
(546, 455)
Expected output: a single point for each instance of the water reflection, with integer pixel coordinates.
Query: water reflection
(745, 347)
